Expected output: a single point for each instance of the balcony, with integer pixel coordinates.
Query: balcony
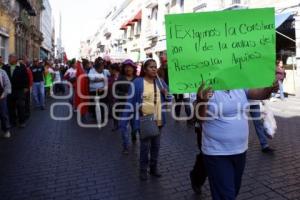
(151, 3)
(27, 5)
(42, 5)
(24, 18)
(151, 30)
(36, 34)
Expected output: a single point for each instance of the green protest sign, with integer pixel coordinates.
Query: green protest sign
(226, 49)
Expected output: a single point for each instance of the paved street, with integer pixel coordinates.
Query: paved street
(59, 160)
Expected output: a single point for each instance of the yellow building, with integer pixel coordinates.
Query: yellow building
(7, 34)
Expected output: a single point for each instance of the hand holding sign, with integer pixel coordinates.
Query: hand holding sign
(203, 94)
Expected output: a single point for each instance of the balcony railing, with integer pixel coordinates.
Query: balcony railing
(28, 7)
(24, 18)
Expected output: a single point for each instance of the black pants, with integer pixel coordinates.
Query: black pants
(5, 125)
(187, 105)
(27, 104)
(16, 107)
(152, 146)
(199, 173)
(225, 175)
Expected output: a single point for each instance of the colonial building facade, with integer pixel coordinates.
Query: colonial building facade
(20, 28)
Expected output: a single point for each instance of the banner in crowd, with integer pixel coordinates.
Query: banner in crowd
(225, 49)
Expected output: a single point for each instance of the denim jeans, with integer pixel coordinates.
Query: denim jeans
(281, 90)
(125, 134)
(225, 175)
(151, 145)
(258, 124)
(5, 125)
(38, 92)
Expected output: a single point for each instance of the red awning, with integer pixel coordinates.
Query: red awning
(129, 23)
(123, 27)
(137, 17)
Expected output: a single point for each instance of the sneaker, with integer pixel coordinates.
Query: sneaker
(6, 134)
(125, 151)
(143, 175)
(268, 150)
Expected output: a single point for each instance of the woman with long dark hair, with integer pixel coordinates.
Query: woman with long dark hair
(147, 99)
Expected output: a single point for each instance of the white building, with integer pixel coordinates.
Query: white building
(136, 28)
(288, 34)
(47, 29)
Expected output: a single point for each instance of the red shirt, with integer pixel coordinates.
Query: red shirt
(30, 76)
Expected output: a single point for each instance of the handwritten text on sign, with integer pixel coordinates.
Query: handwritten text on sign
(227, 50)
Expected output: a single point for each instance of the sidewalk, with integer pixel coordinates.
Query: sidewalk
(290, 107)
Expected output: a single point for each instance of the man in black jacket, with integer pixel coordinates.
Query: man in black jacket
(16, 100)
